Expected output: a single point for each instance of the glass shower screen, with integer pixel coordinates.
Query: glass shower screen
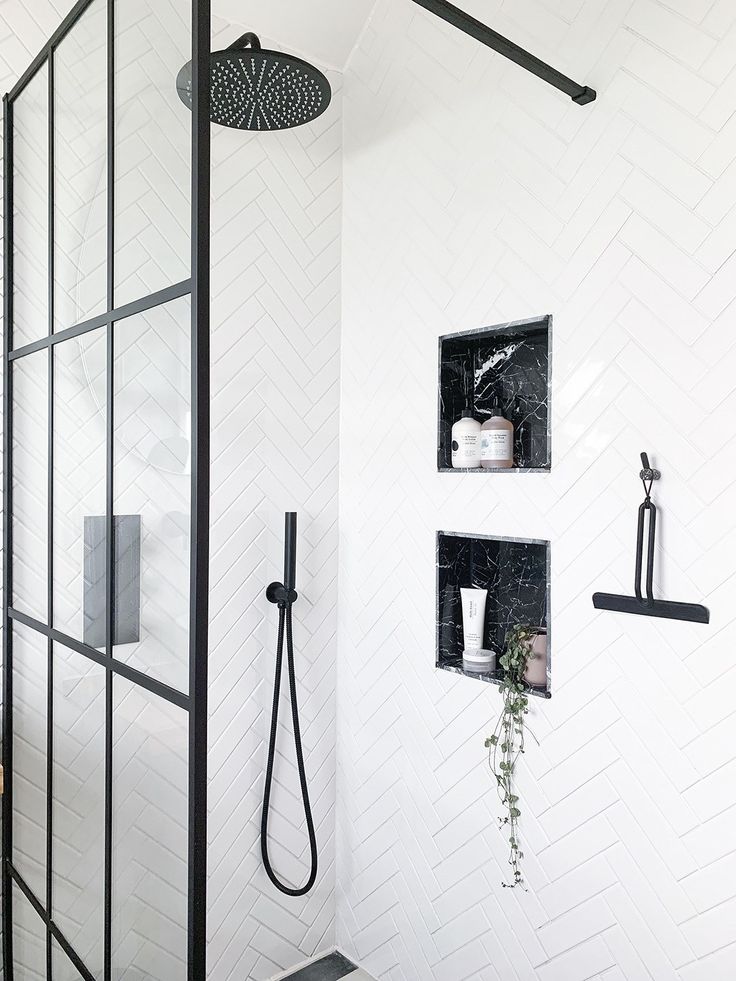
(106, 498)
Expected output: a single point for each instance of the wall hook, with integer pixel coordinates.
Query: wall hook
(647, 605)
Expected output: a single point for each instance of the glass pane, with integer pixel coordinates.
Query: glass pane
(150, 767)
(64, 970)
(31, 212)
(80, 421)
(30, 484)
(29, 940)
(80, 166)
(79, 804)
(152, 486)
(152, 147)
(30, 674)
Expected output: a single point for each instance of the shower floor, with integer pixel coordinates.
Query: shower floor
(334, 967)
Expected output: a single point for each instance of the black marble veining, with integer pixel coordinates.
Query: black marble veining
(516, 574)
(509, 364)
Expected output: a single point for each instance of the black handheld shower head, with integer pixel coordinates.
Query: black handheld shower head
(260, 90)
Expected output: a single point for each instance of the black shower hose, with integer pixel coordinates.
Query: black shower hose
(285, 626)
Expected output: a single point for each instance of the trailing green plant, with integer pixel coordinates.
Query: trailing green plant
(506, 744)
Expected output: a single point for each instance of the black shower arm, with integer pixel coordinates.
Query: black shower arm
(249, 40)
(581, 94)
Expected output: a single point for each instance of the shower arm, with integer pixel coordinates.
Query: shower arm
(580, 94)
(249, 40)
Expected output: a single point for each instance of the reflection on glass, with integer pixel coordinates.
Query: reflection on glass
(30, 491)
(152, 147)
(80, 165)
(30, 674)
(30, 212)
(150, 766)
(80, 419)
(79, 805)
(152, 479)
(29, 940)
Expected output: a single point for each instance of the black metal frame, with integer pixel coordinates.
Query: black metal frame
(580, 94)
(195, 702)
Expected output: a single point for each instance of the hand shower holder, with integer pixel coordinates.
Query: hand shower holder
(284, 594)
(280, 596)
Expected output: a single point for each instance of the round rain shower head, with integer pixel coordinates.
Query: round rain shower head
(261, 90)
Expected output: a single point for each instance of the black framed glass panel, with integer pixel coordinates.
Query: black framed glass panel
(30, 485)
(106, 489)
(153, 141)
(78, 816)
(30, 720)
(152, 480)
(62, 968)
(29, 940)
(80, 170)
(31, 211)
(151, 773)
(80, 483)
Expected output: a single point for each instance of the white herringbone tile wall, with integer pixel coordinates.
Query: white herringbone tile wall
(474, 194)
(275, 413)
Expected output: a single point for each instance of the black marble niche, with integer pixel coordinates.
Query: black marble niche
(516, 573)
(510, 363)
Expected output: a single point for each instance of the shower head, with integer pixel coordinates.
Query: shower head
(261, 90)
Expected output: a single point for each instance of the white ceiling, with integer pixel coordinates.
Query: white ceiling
(324, 30)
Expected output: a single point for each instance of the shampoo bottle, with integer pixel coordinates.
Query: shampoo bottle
(497, 442)
(466, 442)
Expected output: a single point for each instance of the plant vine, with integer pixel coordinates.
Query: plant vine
(506, 744)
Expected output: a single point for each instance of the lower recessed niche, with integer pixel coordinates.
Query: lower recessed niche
(516, 574)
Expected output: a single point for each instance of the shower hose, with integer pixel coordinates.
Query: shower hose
(286, 628)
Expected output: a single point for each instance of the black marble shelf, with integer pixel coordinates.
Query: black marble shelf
(456, 666)
(512, 363)
(516, 573)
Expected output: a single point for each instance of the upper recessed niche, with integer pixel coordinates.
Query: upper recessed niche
(511, 364)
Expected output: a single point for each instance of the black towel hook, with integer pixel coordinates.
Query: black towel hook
(640, 604)
(648, 475)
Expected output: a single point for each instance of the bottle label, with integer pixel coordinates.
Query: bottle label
(466, 447)
(466, 450)
(497, 445)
